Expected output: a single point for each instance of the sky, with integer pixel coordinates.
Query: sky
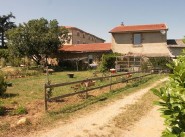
(98, 17)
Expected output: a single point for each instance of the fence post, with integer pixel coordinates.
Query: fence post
(45, 98)
(110, 81)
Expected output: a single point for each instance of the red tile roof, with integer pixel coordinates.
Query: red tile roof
(92, 47)
(148, 27)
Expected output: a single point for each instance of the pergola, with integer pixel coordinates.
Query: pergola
(129, 62)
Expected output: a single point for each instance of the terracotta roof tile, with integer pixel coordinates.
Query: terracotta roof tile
(148, 27)
(93, 47)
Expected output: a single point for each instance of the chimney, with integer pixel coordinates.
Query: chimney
(122, 23)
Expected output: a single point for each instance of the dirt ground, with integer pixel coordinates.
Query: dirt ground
(100, 124)
(151, 125)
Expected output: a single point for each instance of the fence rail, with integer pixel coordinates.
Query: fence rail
(50, 86)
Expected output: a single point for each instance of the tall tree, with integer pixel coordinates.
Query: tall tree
(36, 39)
(5, 24)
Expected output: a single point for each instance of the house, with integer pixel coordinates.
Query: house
(78, 36)
(175, 46)
(83, 54)
(146, 40)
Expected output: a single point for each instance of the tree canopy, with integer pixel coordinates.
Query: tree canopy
(5, 24)
(37, 39)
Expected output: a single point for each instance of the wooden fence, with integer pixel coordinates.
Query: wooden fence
(88, 83)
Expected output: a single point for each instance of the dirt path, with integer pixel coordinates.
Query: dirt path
(97, 123)
(150, 125)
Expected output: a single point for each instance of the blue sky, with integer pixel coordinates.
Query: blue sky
(100, 16)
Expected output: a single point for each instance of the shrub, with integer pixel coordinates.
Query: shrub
(173, 100)
(160, 62)
(144, 66)
(107, 62)
(3, 85)
(2, 109)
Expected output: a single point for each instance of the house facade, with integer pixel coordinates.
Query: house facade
(82, 55)
(90, 52)
(147, 40)
(78, 36)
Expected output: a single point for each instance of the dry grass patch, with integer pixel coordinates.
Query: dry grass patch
(136, 111)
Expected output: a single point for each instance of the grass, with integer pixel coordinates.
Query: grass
(20, 110)
(25, 90)
(30, 90)
(103, 97)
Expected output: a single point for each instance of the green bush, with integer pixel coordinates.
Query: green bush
(3, 85)
(160, 62)
(2, 109)
(172, 98)
(107, 62)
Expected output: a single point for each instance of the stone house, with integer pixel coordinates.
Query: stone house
(78, 36)
(134, 42)
(84, 54)
(147, 40)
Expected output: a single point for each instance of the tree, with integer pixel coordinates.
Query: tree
(5, 24)
(36, 39)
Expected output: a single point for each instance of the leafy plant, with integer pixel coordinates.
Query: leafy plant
(108, 62)
(3, 84)
(159, 62)
(173, 100)
(2, 109)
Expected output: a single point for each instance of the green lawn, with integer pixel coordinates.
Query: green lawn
(25, 90)
(31, 88)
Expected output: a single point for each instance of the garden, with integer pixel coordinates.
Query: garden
(24, 97)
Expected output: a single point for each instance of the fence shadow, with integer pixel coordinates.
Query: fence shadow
(9, 95)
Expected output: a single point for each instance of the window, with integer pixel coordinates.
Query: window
(90, 58)
(78, 33)
(137, 39)
(83, 35)
(78, 42)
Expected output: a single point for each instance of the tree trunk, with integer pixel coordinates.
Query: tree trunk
(37, 61)
(2, 39)
(46, 57)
